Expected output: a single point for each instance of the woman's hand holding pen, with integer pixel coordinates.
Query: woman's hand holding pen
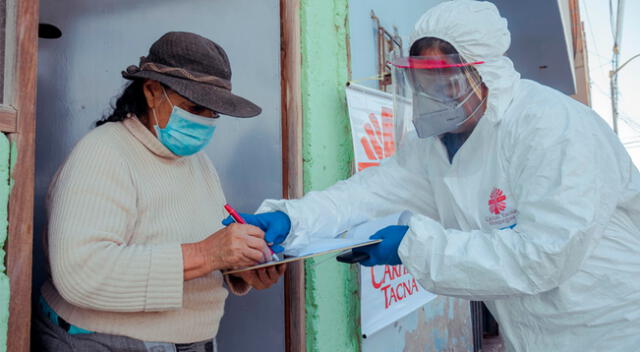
(276, 226)
(236, 245)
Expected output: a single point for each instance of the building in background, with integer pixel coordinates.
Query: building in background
(580, 55)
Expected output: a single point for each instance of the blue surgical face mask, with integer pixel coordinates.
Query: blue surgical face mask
(186, 133)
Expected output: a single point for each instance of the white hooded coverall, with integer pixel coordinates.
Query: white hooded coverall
(537, 215)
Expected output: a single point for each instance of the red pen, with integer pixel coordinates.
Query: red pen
(237, 218)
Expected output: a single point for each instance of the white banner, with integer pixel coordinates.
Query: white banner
(387, 293)
(371, 115)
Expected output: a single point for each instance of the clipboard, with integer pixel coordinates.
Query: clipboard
(294, 259)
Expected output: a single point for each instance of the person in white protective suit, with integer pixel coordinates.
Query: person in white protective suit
(521, 197)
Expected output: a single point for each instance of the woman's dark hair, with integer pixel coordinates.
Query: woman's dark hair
(431, 43)
(131, 101)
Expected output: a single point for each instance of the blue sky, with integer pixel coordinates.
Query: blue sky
(595, 15)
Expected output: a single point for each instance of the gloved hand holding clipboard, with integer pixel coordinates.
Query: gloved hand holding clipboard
(384, 252)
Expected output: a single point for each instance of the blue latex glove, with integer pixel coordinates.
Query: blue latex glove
(385, 252)
(276, 226)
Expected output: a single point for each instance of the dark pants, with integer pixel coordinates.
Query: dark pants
(49, 337)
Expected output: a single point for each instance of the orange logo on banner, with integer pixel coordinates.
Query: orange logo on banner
(378, 142)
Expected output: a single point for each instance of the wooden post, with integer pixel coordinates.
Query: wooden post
(19, 245)
(292, 174)
(8, 119)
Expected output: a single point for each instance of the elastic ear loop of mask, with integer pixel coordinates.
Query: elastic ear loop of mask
(164, 92)
(473, 76)
(153, 110)
(474, 110)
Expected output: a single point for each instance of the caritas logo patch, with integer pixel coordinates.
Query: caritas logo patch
(497, 201)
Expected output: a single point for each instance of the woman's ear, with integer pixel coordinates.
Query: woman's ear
(152, 93)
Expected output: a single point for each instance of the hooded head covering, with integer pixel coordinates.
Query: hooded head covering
(478, 32)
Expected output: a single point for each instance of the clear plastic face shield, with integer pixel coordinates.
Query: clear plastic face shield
(439, 94)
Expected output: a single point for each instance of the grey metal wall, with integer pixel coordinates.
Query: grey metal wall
(79, 74)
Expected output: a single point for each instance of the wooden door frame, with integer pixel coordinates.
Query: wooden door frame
(291, 106)
(19, 124)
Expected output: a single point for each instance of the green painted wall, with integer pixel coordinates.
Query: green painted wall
(331, 288)
(4, 216)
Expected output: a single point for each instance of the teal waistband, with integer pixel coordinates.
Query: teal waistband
(57, 320)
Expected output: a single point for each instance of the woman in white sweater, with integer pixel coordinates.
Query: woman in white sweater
(134, 237)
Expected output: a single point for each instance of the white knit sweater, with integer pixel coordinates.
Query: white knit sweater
(119, 208)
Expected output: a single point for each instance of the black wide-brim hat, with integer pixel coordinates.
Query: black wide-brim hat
(196, 68)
